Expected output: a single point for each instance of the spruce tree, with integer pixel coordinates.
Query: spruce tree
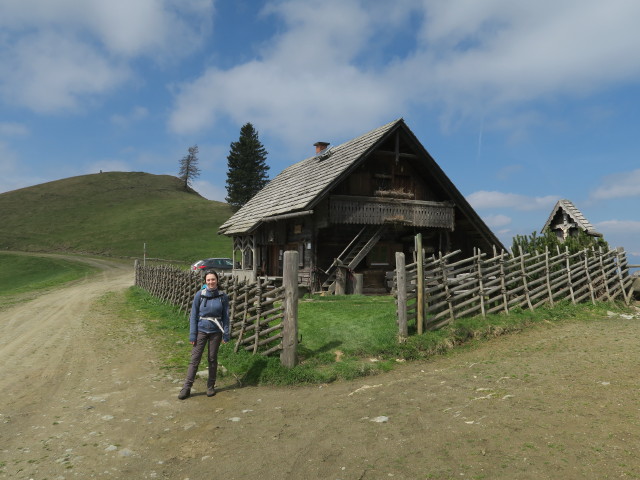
(189, 167)
(247, 167)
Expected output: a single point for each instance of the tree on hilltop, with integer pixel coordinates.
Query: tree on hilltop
(189, 167)
(247, 167)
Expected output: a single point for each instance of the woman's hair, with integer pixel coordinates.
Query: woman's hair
(211, 271)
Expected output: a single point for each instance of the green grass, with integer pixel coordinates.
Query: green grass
(20, 274)
(81, 214)
(344, 337)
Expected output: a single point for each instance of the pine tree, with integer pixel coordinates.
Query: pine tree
(189, 167)
(247, 168)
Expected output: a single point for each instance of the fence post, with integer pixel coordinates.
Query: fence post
(289, 354)
(619, 271)
(341, 280)
(401, 289)
(419, 284)
(569, 279)
(358, 283)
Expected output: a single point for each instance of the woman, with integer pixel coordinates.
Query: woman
(208, 323)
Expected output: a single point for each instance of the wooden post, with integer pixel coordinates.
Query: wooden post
(358, 286)
(547, 272)
(523, 275)
(503, 285)
(569, 279)
(341, 280)
(620, 278)
(478, 260)
(401, 291)
(604, 275)
(289, 353)
(419, 284)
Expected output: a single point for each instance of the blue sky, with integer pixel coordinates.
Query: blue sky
(520, 103)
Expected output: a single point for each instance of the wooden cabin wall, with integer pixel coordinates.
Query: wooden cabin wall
(381, 173)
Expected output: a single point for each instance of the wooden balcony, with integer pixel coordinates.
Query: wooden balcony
(376, 211)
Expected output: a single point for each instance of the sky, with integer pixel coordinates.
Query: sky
(520, 103)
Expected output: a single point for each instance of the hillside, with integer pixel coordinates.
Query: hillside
(114, 213)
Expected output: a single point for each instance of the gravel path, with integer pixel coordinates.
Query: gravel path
(83, 397)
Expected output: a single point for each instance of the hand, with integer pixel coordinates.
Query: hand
(192, 343)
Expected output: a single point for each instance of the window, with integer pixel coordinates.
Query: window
(379, 255)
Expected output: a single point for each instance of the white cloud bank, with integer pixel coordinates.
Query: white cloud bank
(465, 56)
(492, 199)
(495, 221)
(620, 185)
(619, 226)
(53, 55)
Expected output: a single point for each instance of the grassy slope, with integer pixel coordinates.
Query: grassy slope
(114, 213)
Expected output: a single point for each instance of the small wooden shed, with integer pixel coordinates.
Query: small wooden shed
(355, 205)
(566, 220)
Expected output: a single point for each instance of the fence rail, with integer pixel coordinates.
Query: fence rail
(260, 317)
(449, 289)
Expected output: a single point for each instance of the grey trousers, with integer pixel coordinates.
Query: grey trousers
(214, 340)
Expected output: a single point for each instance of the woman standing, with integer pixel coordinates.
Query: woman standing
(208, 324)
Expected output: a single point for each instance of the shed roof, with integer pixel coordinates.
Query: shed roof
(575, 214)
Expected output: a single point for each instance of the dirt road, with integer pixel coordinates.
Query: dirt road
(83, 397)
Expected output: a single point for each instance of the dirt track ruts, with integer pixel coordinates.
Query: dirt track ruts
(83, 397)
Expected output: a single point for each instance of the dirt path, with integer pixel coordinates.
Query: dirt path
(83, 397)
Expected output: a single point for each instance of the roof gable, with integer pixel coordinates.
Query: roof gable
(576, 215)
(300, 186)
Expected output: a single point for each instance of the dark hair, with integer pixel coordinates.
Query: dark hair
(211, 271)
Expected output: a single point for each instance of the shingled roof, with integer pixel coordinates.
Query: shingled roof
(298, 187)
(575, 214)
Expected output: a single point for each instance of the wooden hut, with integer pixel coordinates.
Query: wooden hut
(565, 220)
(355, 205)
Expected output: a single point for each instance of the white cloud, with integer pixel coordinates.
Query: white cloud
(307, 79)
(469, 57)
(13, 129)
(55, 54)
(626, 184)
(136, 114)
(12, 175)
(492, 199)
(209, 190)
(495, 221)
(619, 226)
(48, 72)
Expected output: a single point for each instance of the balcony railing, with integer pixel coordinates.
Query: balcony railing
(375, 211)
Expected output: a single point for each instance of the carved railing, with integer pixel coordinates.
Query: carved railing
(375, 211)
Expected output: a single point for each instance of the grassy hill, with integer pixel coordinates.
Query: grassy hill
(114, 213)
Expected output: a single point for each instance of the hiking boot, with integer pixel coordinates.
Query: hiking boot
(211, 391)
(184, 393)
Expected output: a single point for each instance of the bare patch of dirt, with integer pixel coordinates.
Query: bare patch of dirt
(83, 397)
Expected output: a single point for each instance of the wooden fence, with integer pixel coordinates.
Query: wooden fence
(440, 289)
(262, 315)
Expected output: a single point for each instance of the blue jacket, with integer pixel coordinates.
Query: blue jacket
(207, 303)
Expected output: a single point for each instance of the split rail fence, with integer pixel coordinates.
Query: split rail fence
(263, 316)
(441, 289)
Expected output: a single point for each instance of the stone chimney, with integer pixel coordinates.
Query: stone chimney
(320, 146)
